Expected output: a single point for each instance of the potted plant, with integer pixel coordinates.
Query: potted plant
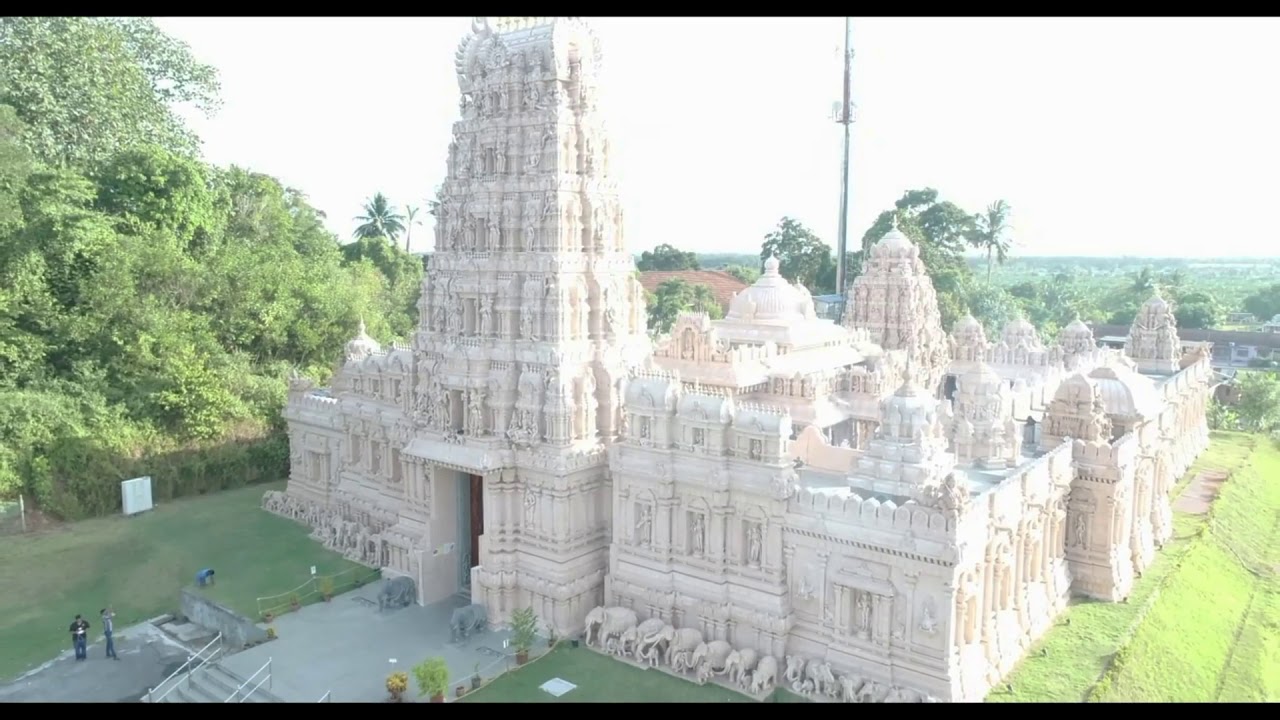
(460, 690)
(326, 588)
(295, 602)
(397, 683)
(475, 678)
(271, 633)
(268, 616)
(524, 631)
(432, 675)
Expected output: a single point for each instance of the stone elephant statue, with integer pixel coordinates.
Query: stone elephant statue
(605, 623)
(629, 642)
(765, 677)
(679, 651)
(466, 620)
(397, 593)
(738, 666)
(849, 686)
(819, 679)
(652, 647)
(709, 659)
(794, 674)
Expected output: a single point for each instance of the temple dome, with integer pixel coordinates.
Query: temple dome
(1076, 330)
(968, 323)
(772, 300)
(1125, 393)
(982, 380)
(1020, 332)
(1156, 304)
(894, 244)
(362, 346)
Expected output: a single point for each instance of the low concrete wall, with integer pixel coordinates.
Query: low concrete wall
(237, 630)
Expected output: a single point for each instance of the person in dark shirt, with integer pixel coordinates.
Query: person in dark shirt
(80, 637)
(108, 627)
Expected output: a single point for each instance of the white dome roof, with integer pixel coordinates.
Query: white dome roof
(771, 300)
(981, 380)
(362, 346)
(1155, 303)
(1076, 329)
(1125, 393)
(894, 244)
(968, 323)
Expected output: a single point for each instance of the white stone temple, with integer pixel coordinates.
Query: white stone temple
(879, 510)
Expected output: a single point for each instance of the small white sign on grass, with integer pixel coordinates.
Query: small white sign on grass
(557, 686)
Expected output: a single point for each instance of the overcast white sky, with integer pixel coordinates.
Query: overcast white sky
(1108, 136)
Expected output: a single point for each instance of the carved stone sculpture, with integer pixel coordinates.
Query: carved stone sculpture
(710, 659)
(467, 620)
(765, 677)
(603, 623)
(397, 593)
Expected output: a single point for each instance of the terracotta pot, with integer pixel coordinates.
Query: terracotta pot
(522, 657)
(327, 598)
(461, 690)
(437, 698)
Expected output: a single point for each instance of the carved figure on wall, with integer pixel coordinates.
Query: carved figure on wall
(755, 543)
(928, 618)
(697, 531)
(475, 413)
(530, 507)
(644, 526)
(863, 618)
(486, 315)
(1080, 531)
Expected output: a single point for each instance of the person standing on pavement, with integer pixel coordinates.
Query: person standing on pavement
(79, 637)
(107, 628)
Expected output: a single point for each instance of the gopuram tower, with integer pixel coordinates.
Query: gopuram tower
(531, 317)
(894, 300)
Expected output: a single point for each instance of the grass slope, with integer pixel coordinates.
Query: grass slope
(1212, 635)
(1069, 660)
(139, 564)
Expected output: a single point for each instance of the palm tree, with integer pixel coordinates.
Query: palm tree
(991, 234)
(410, 212)
(380, 218)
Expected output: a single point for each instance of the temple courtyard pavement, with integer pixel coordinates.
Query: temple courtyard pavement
(347, 647)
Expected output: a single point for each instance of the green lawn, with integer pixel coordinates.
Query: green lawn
(139, 565)
(1171, 640)
(1214, 634)
(599, 679)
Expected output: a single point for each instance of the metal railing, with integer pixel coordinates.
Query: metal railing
(239, 696)
(205, 655)
(325, 698)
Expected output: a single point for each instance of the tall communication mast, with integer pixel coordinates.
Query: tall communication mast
(843, 115)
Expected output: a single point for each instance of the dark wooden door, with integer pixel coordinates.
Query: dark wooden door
(477, 517)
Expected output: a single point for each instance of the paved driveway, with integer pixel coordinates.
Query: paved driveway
(348, 646)
(147, 656)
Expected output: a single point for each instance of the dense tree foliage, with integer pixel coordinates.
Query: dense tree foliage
(665, 257)
(675, 296)
(151, 305)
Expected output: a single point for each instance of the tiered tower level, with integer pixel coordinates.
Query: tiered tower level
(531, 313)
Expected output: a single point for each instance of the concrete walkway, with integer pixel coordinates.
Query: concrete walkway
(147, 656)
(347, 646)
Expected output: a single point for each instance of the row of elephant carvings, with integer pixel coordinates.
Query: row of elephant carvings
(619, 632)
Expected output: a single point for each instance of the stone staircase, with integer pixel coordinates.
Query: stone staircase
(213, 683)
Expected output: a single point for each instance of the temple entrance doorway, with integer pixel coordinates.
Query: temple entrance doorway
(470, 526)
